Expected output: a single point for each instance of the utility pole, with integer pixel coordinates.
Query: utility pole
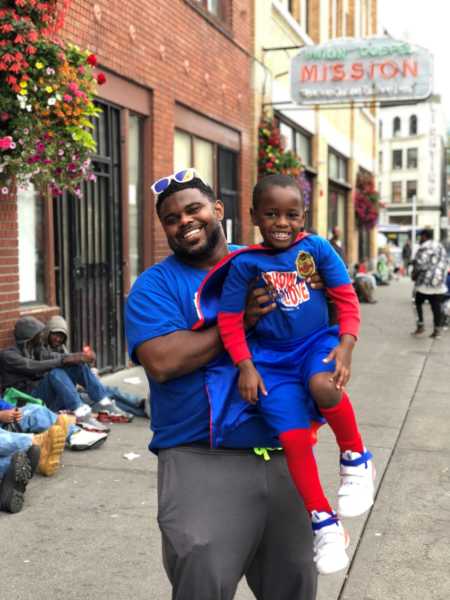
(413, 225)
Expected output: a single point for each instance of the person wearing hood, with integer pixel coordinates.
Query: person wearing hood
(56, 339)
(32, 368)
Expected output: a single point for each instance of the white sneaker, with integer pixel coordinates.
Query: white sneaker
(357, 490)
(330, 543)
(85, 440)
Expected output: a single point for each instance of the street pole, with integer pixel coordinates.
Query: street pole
(413, 226)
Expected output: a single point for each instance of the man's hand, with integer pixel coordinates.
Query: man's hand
(12, 415)
(250, 381)
(255, 309)
(342, 354)
(77, 358)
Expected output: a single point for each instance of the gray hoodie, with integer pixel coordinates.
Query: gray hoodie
(24, 365)
(57, 324)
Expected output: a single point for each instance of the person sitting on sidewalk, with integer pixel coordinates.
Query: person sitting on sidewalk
(16, 469)
(30, 367)
(55, 430)
(56, 340)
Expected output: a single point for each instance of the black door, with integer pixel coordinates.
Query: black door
(228, 193)
(88, 252)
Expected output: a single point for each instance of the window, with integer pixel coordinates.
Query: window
(304, 15)
(30, 208)
(192, 151)
(337, 166)
(296, 140)
(411, 190)
(412, 158)
(380, 161)
(135, 199)
(413, 125)
(397, 159)
(217, 8)
(380, 130)
(288, 5)
(396, 191)
(397, 126)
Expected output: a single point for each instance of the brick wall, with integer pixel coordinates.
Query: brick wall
(175, 51)
(9, 268)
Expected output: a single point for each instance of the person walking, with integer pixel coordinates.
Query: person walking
(406, 256)
(224, 513)
(429, 275)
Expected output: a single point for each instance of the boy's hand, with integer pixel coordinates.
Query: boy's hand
(255, 309)
(250, 381)
(342, 354)
(316, 281)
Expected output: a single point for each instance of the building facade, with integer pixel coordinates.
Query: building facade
(412, 169)
(335, 143)
(177, 94)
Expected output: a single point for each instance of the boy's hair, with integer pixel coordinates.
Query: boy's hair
(174, 187)
(270, 181)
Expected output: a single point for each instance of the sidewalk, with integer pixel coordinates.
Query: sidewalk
(91, 531)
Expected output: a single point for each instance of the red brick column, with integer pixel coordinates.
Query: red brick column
(9, 268)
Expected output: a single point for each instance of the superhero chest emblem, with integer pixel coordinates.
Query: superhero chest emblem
(306, 267)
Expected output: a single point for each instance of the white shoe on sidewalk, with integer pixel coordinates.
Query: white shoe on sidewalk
(86, 440)
(330, 543)
(357, 490)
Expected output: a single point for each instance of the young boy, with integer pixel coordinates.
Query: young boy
(292, 353)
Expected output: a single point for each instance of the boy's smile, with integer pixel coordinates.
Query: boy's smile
(280, 216)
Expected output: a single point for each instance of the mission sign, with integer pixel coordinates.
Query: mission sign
(360, 70)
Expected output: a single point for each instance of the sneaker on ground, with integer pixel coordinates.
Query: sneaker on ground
(51, 443)
(357, 490)
(14, 482)
(436, 334)
(330, 543)
(86, 440)
(91, 424)
(110, 412)
(420, 329)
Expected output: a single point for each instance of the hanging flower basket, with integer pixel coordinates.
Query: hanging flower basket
(272, 157)
(47, 91)
(367, 201)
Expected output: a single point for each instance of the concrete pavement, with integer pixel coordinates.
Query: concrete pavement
(90, 532)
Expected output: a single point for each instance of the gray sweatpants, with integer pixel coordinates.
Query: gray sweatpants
(224, 514)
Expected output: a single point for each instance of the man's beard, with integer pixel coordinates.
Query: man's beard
(202, 253)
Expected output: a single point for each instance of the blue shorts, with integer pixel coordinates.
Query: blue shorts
(286, 368)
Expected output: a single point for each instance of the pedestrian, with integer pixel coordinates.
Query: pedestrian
(292, 353)
(223, 512)
(30, 367)
(335, 241)
(429, 275)
(406, 255)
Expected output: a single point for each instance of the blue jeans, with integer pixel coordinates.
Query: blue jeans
(127, 402)
(10, 443)
(58, 388)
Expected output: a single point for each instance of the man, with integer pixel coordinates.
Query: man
(406, 255)
(335, 241)
(223, 512)
(429, 274)
(30, 367)
(55, 339)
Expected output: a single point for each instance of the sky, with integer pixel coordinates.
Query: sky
(425, 24)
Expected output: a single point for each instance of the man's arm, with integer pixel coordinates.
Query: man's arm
(184, 351)
(179, 353)
(14, 362)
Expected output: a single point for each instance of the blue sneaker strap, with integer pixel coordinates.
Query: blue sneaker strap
(364, 458)
(331, 521)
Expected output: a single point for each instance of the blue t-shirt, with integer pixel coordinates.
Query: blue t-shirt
(301, 310)
(161, 302)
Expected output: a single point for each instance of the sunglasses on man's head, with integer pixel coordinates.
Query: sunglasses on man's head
(182, 176)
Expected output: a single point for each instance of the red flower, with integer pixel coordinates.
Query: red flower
(101, 78)
(91, 60)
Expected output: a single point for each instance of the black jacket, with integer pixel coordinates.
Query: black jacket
(24, 367)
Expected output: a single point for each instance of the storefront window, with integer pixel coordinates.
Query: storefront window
(182, 151)
(204, 160)
(31, 246)
(134, 195)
